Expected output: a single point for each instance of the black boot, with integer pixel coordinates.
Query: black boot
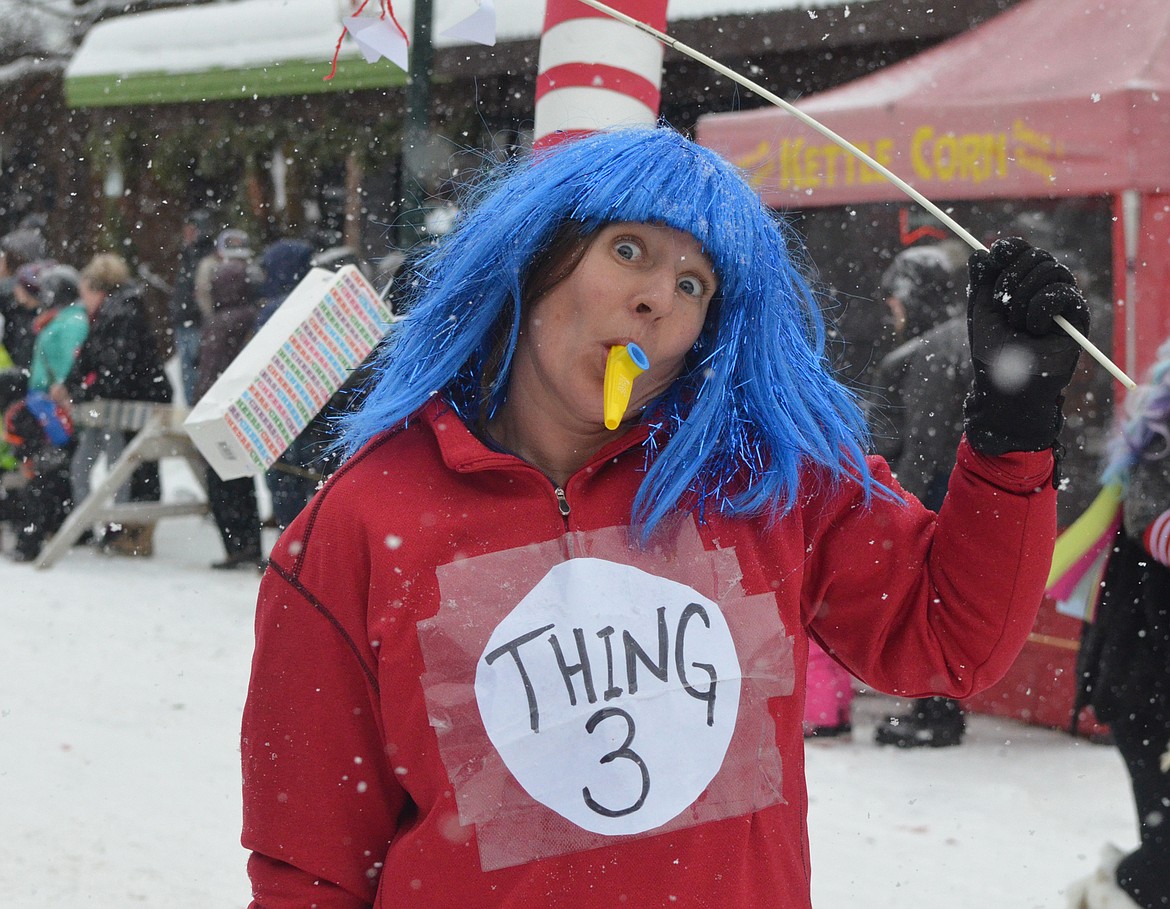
(245, 558)
(843, 728)
(932, 723)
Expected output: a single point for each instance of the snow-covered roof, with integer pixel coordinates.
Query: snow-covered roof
(232, 36)
(227, 35)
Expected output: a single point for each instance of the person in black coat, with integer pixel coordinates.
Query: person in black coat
(292, 479)
(225, 333)
(1124, 660)
(119, 360)
(186, 318)
(40, 437)
(917, 421)
(20, 247)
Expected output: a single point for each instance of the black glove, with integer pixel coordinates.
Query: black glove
(1022, 359)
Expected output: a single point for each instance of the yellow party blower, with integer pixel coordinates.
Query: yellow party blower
(624, 364)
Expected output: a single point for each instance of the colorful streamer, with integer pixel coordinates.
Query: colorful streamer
(1080, 555)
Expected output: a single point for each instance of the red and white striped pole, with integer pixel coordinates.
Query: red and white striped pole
(595, 72)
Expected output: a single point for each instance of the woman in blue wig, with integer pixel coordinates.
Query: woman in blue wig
(542, 639)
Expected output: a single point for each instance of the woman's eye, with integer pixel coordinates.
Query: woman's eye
(628, 249)
(692, 287)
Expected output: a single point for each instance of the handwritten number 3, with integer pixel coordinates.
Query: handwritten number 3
(622, 752)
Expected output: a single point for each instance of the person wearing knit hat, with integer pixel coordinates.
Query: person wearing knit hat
(284, 263)
(922, 289)
(18, 248)
(28, 282)
(60, 323)
(230, 243)
(233, 244)
(26, 293)
(917, 422)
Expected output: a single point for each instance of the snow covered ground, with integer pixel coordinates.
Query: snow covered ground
(122, 681)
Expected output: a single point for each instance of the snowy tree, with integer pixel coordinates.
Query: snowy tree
(34, 28)
(18, 33)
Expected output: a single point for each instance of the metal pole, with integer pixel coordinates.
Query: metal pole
(1131, 220)
(416, 129)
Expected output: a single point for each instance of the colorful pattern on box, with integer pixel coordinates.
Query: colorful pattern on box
(310, 366)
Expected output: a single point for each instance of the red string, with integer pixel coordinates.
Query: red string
(387, 7)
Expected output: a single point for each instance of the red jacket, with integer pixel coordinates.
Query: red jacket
(368, 777)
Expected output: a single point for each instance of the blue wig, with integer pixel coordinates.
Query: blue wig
(756, 402)
(1145, 433)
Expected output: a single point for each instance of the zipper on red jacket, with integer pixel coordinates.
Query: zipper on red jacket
(563, 508)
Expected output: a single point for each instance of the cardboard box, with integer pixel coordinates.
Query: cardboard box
(284, 376)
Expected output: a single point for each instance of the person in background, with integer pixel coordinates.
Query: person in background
(294, 476)
(917, 422)
(38, 433)
(26, 291)
(20, 247)
(859, 334)
(828, 703)
(119, 360)
(225, 333)
(8, 459)
(230, 243)
(16, 325)
(923, 381)
(1124, 662)
(60, 325)
(186, 318)
(486, 670)
(283, 264)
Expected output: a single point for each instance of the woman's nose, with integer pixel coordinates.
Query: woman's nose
(655, 296)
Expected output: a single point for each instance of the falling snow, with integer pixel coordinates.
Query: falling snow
(122, 682)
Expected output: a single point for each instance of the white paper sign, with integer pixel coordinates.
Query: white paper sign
(611, 695)
(478, 28)
(377, 38)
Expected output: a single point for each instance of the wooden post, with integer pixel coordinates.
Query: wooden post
(352, 230)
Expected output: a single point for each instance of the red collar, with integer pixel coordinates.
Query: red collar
(463, 451)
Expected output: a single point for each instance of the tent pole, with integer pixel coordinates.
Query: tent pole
(1095, 352)
(1131, 210)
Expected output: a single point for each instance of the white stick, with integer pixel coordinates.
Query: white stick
(1094, 351)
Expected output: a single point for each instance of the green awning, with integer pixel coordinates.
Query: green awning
(299, 77)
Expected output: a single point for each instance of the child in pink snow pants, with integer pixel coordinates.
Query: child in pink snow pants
(829, 696)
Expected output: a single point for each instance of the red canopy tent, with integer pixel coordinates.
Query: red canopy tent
(1049, 100)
